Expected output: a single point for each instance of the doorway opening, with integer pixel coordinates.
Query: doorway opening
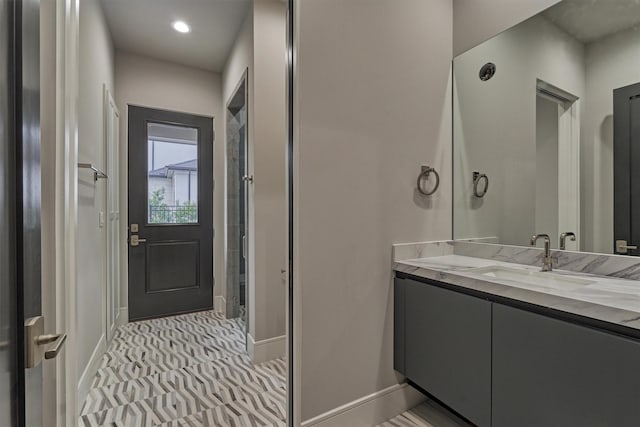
(237, 201)
(202, 250)
(557, 186)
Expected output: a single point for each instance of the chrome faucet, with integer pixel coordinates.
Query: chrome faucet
(547, 261)
(563, 239)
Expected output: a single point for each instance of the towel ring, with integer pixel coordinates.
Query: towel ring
(477, 177)
(424, 176)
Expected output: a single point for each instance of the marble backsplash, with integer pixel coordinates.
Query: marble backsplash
(626, 267)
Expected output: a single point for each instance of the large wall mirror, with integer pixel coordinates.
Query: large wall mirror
(547, 130)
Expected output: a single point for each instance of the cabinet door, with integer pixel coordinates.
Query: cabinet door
(448, 348)
(547, 372)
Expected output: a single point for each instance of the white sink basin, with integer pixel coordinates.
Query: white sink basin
(530, 279)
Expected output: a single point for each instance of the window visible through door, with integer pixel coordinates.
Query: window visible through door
(173, 174)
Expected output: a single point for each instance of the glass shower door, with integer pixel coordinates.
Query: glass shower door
(238, 181)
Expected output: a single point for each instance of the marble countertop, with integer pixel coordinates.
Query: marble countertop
(604, 298)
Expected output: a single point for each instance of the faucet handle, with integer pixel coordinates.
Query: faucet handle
(535, 238)
(563, 238)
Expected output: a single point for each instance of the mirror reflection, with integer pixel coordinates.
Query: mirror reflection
(547, 127)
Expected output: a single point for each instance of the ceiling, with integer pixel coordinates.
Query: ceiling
(591, 20)
(144, 27)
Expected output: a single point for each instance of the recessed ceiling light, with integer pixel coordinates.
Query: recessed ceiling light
(181, 27)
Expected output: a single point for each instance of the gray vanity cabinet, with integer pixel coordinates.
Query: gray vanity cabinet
(447, 346)
(548, 372)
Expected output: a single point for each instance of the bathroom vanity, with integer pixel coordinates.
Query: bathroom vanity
(546, 116)
(504, 345)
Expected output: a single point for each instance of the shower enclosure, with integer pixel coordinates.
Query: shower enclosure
(237, 201)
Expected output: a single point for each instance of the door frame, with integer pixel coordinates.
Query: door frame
(568, 156)
(169, 116)
(66, 202)
(112, 154)
(294, 297)
(66, 199)
(244, 79)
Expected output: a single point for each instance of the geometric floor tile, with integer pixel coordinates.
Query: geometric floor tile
(188, 370)
(428, 414)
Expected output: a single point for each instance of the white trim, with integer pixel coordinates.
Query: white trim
(111, 134)
(568, 155)
(265, 350)
(372, 409)
(66, 194)
(220, 305)
(294, 314)
(123, 316)
(569, 158)
(91, 369)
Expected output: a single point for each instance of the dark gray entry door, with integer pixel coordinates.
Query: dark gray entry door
(626, 118)
(170, 213)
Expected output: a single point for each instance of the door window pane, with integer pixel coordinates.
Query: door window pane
(172, 174)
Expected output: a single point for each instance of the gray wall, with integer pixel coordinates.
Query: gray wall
(261, 47)
(475, 21)
(96, 70)
(240, 59)
(373, 103)
(267, 157)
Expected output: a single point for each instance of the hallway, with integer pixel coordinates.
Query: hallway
(185, 370)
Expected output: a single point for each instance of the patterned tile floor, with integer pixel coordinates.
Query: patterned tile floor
(429, 414)
(189, 370)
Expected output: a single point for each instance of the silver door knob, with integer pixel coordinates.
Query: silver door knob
(247, 178)
(136, 240)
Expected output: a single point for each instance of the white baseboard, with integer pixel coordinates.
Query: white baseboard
(123, 316)
(370, 410)
(90, 370)
(220, 305)
(265, 350)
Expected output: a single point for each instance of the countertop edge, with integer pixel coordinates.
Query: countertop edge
(623, 321)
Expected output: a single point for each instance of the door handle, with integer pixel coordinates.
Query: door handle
(136, 240)
(36, 340)
(244, 247)
(622, 247)
(57, 340)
